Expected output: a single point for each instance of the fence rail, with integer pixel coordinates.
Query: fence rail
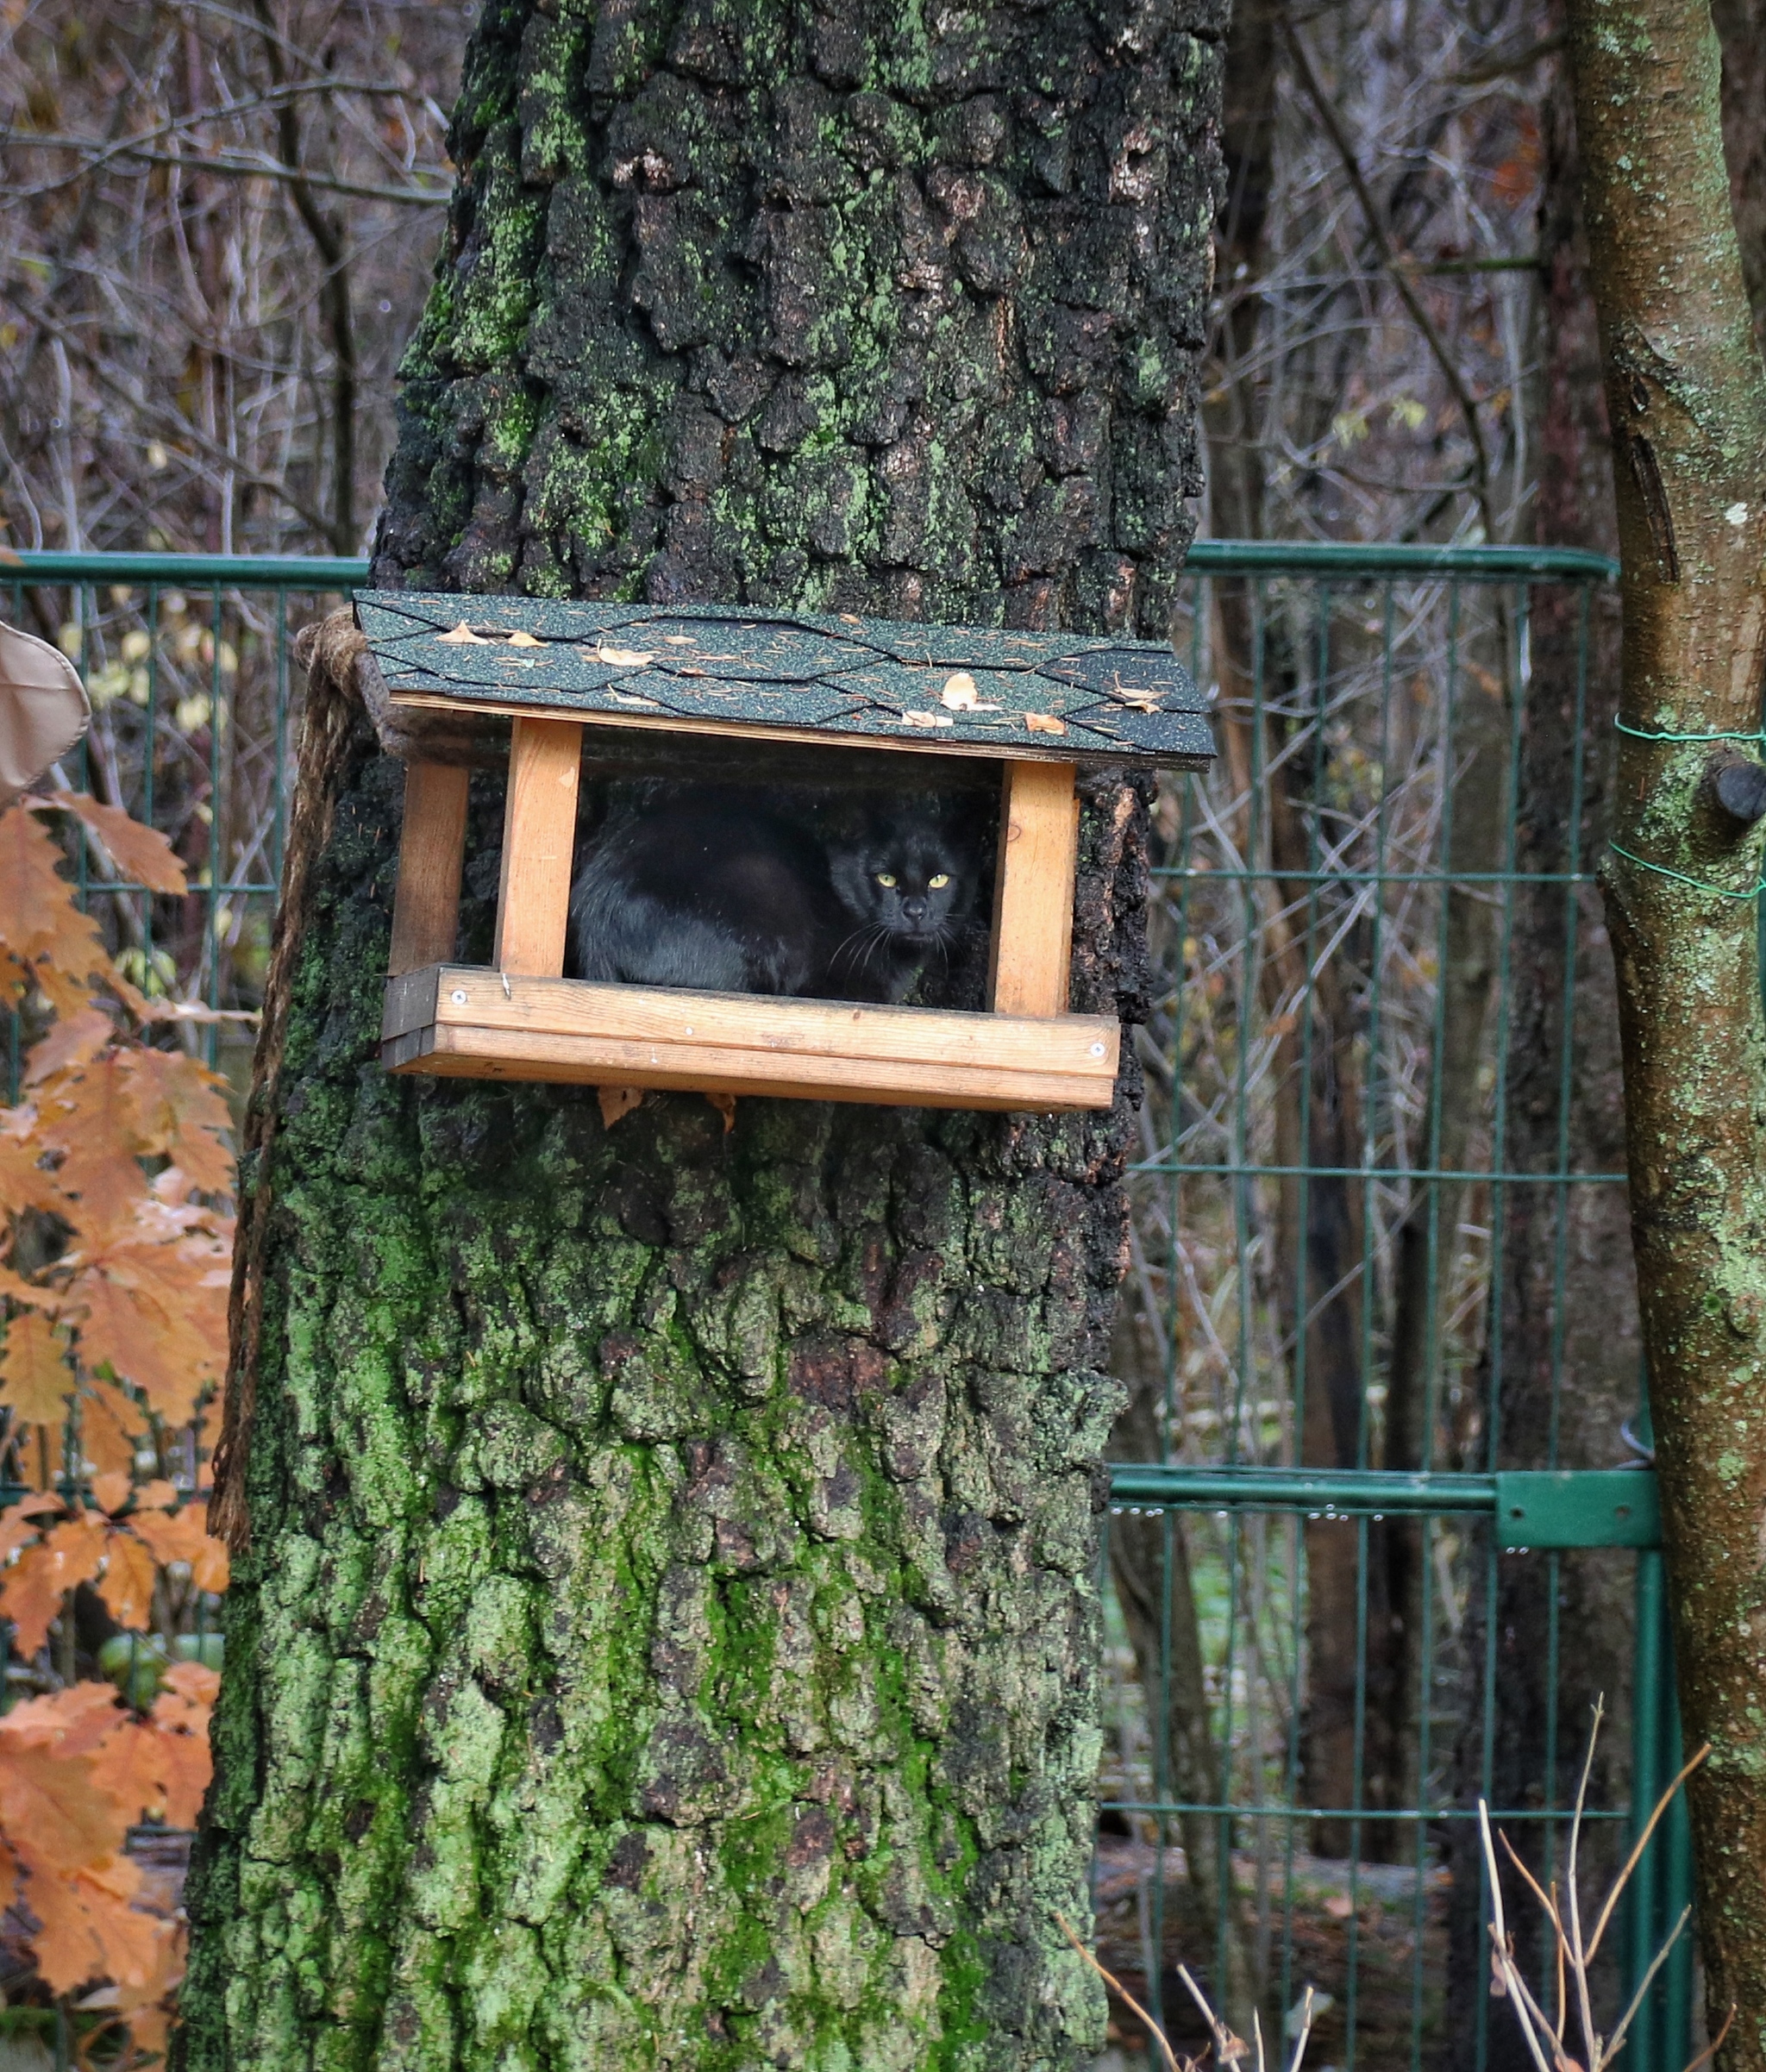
(1318, 902)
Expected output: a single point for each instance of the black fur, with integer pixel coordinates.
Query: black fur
(727, 889)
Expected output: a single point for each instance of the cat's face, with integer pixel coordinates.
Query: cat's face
(911, 879)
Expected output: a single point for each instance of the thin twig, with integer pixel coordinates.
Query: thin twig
(1228, 2048)
(1639, 1846)
(1128, 1999)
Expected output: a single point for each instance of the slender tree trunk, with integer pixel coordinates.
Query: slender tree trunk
(1567, 1306)
(1686, 395)
(668, 1636)
(1149, 1565)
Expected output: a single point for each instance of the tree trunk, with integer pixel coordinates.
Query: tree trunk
(1564, 1363)
(1687, 397)
(668, 1636)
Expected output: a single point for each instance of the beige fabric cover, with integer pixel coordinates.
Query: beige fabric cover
(43, 710)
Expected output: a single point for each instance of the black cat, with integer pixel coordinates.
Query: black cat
(726, 889)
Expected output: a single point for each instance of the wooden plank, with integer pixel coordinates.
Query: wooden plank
(431, 852)
(1039, 838)
(743, 1043)
(539, 833)
(474, 1054)
(410, 1003)
(419, 701)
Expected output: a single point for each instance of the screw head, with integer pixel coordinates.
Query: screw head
(1097, 1050)
(458, 996)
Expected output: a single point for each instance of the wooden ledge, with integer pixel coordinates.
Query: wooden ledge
(460, 1022)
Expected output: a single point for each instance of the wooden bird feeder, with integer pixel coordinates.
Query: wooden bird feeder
(1037, 705)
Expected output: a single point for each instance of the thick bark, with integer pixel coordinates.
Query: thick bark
(1687, 397)
(667, 1635)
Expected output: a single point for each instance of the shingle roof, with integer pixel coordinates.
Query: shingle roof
(863, 682)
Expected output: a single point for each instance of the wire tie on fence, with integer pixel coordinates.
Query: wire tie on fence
(1702, 885)
(1663, 733)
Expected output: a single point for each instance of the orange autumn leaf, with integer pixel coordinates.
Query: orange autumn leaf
(40, 923)
(24, 1183)
(183, 1538)
(70, 1042)
(156, 1316)
(28, 1295)
(111, 1491)
(90, 1114)
(139, 852)
(127, 1585)
(90, 1928)
(35, 1379)
(130, 1766)
(19, 1522)
(187, 1696)
(109, 1429)
(181, 1111)
(54, 1811)
(31, 1590)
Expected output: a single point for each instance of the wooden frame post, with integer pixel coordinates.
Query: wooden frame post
(1033, 888)
(539, 835)
(431, 853)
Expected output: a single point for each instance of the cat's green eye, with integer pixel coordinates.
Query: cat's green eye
(886, 877)
(939, 883)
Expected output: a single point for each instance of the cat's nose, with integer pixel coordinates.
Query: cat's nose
(913, 910)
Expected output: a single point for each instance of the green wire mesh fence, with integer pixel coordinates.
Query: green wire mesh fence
(1383, 1525)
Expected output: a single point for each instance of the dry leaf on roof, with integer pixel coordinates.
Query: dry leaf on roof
(624, 658)
(463, 636)
(1045, 723)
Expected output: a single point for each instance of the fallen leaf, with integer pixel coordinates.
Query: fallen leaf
(1045, 723)
(35, 1379)
(142, 853)
(463, 636)
(929, 719)
(624, 658)
(631, 697)
(959, 692)
(523, 638)
(616, 1101)
(1138, 701)
(680, 640)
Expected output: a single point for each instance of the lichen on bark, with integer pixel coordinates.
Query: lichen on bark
(669, 1633)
